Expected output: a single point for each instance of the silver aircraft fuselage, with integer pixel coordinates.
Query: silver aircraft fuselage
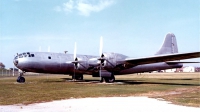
(60, 63)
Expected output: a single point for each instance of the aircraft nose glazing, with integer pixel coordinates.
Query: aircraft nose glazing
(15, 61)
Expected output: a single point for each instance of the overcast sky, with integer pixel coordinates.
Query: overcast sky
(131, 27)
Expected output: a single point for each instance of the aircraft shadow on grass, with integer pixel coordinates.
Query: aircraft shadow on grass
(136, 82)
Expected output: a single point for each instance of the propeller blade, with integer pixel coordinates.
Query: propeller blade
(100, 73)
(75, 51)
(100, 54)
(101, 46)
(75, 61)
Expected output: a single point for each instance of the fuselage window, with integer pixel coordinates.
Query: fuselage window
(49, 57)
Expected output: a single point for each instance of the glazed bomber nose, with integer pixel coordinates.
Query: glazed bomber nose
(15, 61)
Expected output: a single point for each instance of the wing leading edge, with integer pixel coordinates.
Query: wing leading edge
(161, 58)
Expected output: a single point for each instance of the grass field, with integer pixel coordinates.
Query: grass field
(179, 88)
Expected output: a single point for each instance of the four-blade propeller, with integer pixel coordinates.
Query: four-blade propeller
(102, 57)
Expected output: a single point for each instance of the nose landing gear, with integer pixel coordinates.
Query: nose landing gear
(21, 79)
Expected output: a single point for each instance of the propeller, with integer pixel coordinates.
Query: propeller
(75, 60)
(101, 59)
(75, 51)
(101, 46)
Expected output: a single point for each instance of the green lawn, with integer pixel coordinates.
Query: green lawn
(184, 86)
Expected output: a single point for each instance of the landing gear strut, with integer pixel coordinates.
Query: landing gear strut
(21, 79)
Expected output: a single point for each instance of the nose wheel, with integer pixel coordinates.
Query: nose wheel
(21, 79)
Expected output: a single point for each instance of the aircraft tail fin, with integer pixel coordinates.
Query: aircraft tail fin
(169, 45)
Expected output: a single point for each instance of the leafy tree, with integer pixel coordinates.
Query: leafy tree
(2, 65)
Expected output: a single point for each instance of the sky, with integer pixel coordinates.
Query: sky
(132, 27)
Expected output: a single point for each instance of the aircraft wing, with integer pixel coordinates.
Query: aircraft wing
(161, 58)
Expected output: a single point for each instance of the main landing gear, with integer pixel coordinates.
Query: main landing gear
(77, 77)
(21, 79)
(108, 79)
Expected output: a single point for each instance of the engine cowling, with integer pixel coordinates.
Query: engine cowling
(109, 61)
(93, 62)
(80, 65)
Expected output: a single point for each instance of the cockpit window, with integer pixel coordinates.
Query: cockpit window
(20, 56)
(25, 55)
(16, 57)
(32, 55)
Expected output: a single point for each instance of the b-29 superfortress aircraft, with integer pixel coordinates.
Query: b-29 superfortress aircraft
(106, 66)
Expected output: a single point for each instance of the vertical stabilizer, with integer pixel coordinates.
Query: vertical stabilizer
(169, 45)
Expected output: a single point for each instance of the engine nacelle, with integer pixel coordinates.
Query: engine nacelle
(107, 61)
(110, 61)
(93, 62)
(80, 65)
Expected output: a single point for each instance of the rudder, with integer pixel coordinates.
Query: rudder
(169, 46)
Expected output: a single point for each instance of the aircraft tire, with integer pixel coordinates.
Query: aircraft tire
(73, 77)
(101, 79)
(80, 77)
(21, 79)
(104, 79)
(111, 79)
(107, 79)
(77, 77)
